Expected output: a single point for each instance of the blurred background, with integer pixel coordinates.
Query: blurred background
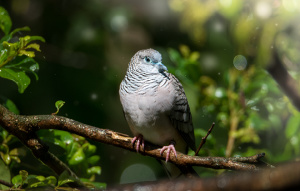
(219, 50)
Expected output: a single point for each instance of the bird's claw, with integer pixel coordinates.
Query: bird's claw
(169, 148)
(138, 139)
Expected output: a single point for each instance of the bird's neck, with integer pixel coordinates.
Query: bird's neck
(141, 82)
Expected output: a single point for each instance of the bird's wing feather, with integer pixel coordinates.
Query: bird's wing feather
(180, 114)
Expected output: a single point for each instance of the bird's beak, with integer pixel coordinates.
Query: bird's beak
(161, 67)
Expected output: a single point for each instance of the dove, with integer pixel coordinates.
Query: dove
(155, 105)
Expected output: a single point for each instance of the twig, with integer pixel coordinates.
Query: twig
(204, 138)
(8, 184)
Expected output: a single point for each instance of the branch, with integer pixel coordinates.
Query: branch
(284, 177)
(21, 127)
(8, 184)
(24, 127)
(284, 79)
(204, 139)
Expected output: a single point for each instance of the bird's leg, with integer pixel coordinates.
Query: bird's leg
(169, 148)
(138, 139)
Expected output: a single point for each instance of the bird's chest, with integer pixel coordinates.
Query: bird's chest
(146, 109)
(148, 114)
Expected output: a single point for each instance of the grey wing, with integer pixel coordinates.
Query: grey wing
(181, 116)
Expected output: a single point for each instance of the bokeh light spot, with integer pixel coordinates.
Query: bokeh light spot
(263, 9)
(137, 173)
(240, 62)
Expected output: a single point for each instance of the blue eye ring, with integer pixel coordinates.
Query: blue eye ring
(147, 59)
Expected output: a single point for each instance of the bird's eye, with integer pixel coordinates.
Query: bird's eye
(147, 59)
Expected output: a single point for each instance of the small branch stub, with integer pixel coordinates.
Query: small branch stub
(204, 138)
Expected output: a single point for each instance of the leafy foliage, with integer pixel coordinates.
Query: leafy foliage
(252, 112)
(16, 58)
(24, 180)
(16, 61)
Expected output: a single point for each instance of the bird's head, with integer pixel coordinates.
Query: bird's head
(150, 60)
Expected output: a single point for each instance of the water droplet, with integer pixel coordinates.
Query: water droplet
(240, 62)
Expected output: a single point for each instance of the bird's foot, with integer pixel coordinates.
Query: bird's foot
(139, 141)
(169, 148)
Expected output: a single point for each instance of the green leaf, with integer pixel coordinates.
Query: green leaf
(4, 134)
(6, 158)
(94, 170)
(89, 149)
(19, 77)
(27, 39)
(99, 185)
(64, 178)
(26, 53)
(5, 21)
(58, 105)
(26, 28)
(72, 148)
(11, 47)
(34, 46)
(194, 57)
(12, 107)
(16, 158)
(293, 125)
(78, 157)
(64, 136)
(93, 159)
(26, 64)
(10, 35)
(3, 56)
(4, 175)
(17, 181)
(51, 180)
(35, 181)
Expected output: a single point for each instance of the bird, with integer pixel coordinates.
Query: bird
(155, 106)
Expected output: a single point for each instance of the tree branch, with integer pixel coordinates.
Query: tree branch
(24, 127)
(284, 79)
(8, 184)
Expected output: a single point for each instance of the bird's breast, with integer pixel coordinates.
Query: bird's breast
(148, 114)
